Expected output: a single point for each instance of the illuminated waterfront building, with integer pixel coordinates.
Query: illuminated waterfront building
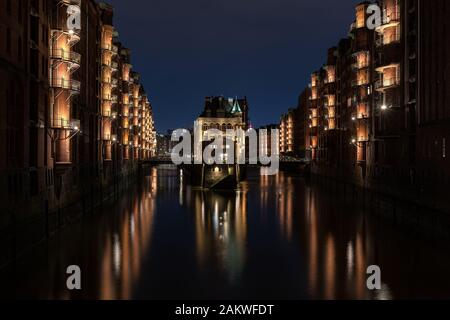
(64, 132)
(223, 114)
(377, 107)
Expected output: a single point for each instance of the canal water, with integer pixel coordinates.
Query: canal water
(280, 237)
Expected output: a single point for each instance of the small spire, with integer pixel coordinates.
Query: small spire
(236, 107)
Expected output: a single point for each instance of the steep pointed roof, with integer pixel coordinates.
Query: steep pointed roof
(236, 107)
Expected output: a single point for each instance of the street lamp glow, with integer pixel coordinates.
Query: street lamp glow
(384, 107)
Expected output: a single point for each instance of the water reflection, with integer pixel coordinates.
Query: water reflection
(279, 237)
(221, 231)
(124, 250)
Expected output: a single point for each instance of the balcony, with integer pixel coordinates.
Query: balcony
(64, 55)
(72, 85)
(360, 65)
(110, 47)
(360, 82)
(390, 18)
(384, 84)
(73, 36)
(107, 114)
(387, 40)
(71, 2)
(65, 124)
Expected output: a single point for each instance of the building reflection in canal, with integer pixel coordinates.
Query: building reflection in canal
(278, 237)
(337, 252)
(221, 231)
(124, 250)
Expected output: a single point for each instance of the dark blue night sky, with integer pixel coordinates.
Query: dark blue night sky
(262, 49)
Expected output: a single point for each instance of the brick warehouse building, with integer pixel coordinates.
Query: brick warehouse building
(379, 107)
(294, 128)
(74, 117)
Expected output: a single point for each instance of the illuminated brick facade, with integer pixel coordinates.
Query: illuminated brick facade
(75, 118)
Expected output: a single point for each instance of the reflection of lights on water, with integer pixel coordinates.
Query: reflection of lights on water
(216, 216)
(350, 258)
(116, 254)
(203, 213)
(384, 293)
(132, 226)
(181, 193)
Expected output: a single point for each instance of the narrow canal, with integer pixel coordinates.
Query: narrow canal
(280, 237)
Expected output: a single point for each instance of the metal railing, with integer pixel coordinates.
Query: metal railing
(359, 65)
(66, 55)
(392, 15)
(71, 2)
(65, 124)
(110, 47)
(72, 85)
(356, 83)
(60, 123)
(386, 40)
(387, 82)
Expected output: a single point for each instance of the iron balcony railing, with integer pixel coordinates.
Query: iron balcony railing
(390, 16)
(361, 82)
(386, 40)
(360, 65)
(71, 2)
(60, 123)
(64, 124)
(62, 54)
(72, 85)
(387, 83)
(110, 47)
